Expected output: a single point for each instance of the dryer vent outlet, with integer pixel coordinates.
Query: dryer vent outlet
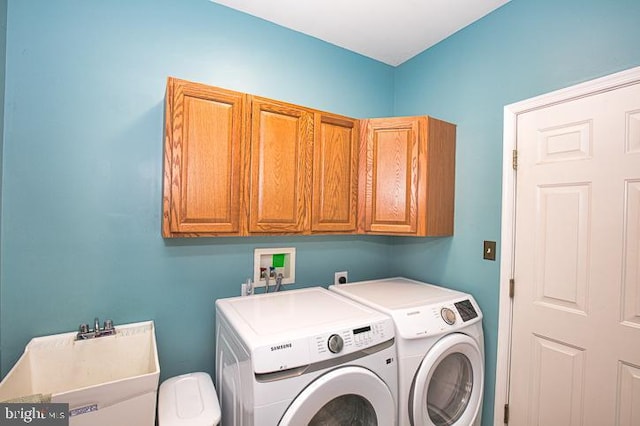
(341, 277)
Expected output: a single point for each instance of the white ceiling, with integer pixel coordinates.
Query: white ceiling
(390, 31)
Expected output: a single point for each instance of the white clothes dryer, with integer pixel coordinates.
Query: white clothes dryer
(440, 347)
(304, 357)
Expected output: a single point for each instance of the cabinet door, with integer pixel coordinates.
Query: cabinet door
(391, 174)
(281, 145)
(407, 176)
(335, 174)
(203, 148)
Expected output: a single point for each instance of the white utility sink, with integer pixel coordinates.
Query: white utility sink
(108, 380)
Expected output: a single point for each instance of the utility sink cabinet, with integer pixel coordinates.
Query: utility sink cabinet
(236, 164)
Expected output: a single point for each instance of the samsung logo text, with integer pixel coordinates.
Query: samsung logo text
(281, 347)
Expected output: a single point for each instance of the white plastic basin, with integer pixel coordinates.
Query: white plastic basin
(110, 380)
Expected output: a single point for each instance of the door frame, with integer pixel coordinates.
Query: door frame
(507, 240)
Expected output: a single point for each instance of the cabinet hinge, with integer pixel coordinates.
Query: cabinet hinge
(506, 413)
(514, 159)
(512, 285)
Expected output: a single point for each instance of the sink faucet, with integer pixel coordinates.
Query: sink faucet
(85, 332)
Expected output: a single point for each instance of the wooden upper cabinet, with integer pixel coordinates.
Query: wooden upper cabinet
(202, 165)
(237, 164)
(407, 176)
(335, 174)
(281, 145)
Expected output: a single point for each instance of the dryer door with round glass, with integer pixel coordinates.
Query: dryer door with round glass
(347, 395)
(447, 389)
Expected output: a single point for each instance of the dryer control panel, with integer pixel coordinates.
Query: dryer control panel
(320, 347)
(466, 310)
(437, 318)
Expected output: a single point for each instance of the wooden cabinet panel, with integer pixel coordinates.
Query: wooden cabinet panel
(440, 177)
(335, 174)
(237, 164)
(407, 176)
(203, 147)
(391, 183)
(281, 141)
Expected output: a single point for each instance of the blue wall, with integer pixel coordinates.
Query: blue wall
(82, 158)
(3, 62)
(82, 183)
(525, 48)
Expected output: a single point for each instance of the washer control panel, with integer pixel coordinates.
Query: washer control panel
(305, 350)
(352, 339)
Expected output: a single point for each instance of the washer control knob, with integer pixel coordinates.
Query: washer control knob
(335, 343)
(448, 316)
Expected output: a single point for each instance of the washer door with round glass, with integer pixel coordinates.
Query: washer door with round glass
(347, 395)
(447, 389)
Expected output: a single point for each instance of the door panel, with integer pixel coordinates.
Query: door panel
(202, 159)
(628, 413)
(557, 383)
(566, 142)
(561, 275)
(335, 174)
(633, 132)
(407, 176)
(393, 188)
(631, 259)
(575, 347)
(392, 166)
(204, 163)
(280, 151)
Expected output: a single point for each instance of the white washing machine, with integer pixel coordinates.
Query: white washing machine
(440, 347)
(304, 357)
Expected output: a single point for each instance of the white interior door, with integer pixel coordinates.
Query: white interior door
(575, 350)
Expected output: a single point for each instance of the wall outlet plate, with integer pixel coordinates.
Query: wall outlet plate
(341, 278)
(489, 250)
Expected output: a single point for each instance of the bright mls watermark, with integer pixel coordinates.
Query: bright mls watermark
(49, 414)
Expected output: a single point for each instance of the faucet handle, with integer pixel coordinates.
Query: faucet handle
(84, 328)
(108, 324)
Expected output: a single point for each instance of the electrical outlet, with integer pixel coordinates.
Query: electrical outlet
(341, 277)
